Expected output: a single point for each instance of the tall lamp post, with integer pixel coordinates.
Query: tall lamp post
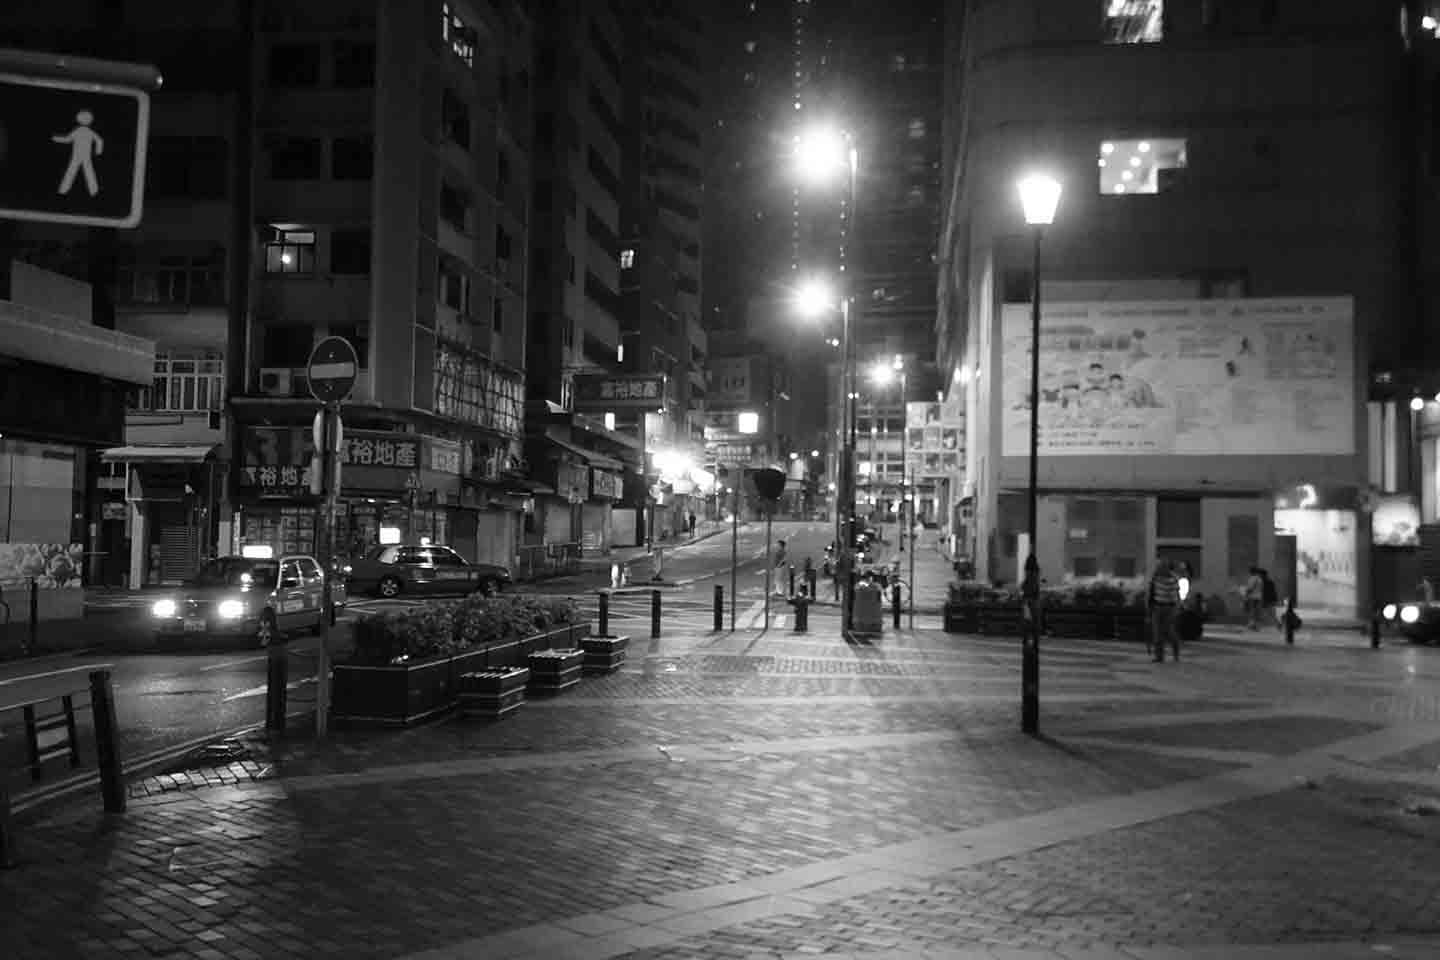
(820, 154)
(1039, 196)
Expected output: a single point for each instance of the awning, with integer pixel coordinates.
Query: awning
(589, 456)
(154, 453)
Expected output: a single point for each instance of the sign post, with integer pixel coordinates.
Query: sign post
(770, 485)
(332, 370)
(73, 134)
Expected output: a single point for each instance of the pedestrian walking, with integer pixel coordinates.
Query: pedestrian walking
(1162, 601)
(1253, 593)
(692, 526)
(1270, 600)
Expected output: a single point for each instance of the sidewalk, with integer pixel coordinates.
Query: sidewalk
(728, 796)
(933, 574)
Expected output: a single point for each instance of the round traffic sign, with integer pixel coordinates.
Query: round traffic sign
(332, 369)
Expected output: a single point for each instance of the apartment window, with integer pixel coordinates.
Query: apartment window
(179, 281)
(1133, 21)
(627, 259)
(497, 316)
(350, 251)
(454, 206)
(292, 251)
(455, 119)
(285, 345)
(567, 332)
(359, 338)
(454, 287)
(1152, 165)
(191, 382)
(456, 35)
(294, 158)
(354, 64)
(294, 65)
(352, 158)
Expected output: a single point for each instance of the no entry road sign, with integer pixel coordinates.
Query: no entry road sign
(332, 370)
(72, 140)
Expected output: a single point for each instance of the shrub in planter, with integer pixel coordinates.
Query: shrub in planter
(970, 592)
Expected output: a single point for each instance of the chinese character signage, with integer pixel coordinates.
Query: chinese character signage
(443, 456)
(603, 483)
(277, 459)
(598, 393)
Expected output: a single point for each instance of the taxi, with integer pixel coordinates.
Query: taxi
(252, 596)
(423, 568)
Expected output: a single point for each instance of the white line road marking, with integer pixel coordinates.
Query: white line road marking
(57, 673)
(260, 690)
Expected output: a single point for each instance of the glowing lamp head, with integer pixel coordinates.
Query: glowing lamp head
(821, 154)
(1039, 196)
(1417, 404)
(815, 298)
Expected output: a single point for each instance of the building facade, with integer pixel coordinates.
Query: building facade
(1211, 312)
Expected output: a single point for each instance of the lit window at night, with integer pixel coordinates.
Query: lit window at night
(1141, 166)
(1134, 21)
(460, 37)
(627, 259)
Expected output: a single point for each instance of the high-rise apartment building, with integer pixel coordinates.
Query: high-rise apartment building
(1232, 255)
(373, 156)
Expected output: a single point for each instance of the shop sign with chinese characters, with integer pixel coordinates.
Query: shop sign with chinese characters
(603, 483)
(443, 456)
(277, 459)
(601, 393)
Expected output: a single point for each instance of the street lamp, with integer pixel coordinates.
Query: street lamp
(822, 155)
(1039, 196)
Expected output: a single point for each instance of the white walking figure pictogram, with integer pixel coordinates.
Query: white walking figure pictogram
(85, 146)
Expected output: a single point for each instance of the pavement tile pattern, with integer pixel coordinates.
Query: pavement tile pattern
(781, 795)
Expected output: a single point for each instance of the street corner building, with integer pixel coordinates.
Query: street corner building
(1215, 301)
(64, 383)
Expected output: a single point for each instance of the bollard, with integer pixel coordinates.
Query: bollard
(604, 614)
(107, 735)
(802, 613)
(719, 607)
(654, 614)
(34, 627)
(7, 846)
(895, 604)
(277, 682)
(1375, 630)
(1290, 621)
(792, 581)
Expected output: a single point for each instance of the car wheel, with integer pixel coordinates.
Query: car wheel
(268, 632)
(390, 587)
(489, 588)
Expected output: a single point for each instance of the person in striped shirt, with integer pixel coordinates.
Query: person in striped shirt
(1163, 603)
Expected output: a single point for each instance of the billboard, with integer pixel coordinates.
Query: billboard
(934, 439)
(1183, 378)
(600, 393)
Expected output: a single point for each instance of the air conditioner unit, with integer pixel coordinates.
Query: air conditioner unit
(275, 381)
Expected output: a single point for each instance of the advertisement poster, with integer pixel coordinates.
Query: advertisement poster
(1186, 378)
(934, 438)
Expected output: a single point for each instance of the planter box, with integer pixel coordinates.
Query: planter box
(1004, 619)
(604, 654)
(552, 671)
(408, 693)
(492, 693)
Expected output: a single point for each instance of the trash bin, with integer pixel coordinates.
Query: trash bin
(869, 617)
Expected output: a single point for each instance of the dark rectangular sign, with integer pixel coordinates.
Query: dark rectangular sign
(72, 151)
(599, 393)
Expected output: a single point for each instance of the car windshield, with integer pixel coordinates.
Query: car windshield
(375, 552)
(237, 572)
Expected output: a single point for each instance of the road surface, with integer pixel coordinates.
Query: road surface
(165, 701)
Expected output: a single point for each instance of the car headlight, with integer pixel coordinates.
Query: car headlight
(163, 608)
(1389, 610)
(231, 609)
(1409, 613)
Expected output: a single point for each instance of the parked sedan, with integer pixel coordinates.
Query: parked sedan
(257, 597)
(423, 569)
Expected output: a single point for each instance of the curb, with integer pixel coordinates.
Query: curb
(130, 770)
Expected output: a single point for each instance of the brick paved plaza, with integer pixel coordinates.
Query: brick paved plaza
(772, 795)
